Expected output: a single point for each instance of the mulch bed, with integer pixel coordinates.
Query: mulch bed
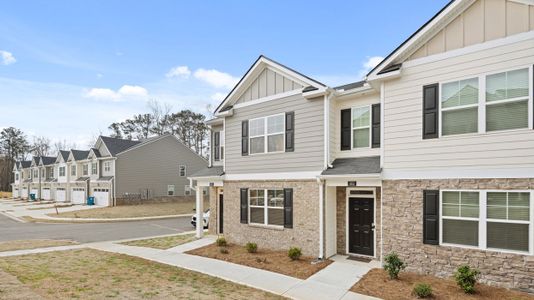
(269, 260)
(376, 283)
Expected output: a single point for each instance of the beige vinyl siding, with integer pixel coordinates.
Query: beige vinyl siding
(309, 138)
(268, 83)
(215, 128)
(154, 166)
(483, 21)
(405, 150)
(351, 102)
(103, 150)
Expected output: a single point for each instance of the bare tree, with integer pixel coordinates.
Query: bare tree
(160, 113)
(62, 145)
(41, 146)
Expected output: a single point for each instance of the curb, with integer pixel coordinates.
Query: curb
(13, 217)
(102, 220)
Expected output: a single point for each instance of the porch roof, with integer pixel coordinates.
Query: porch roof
(354, 165)
(209, 172)
(105, 178)
(82, 179)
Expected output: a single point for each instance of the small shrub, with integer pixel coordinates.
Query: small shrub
(294, 253)
(221, 242)
(251, 247)
(223, 250)
(422, 290)
(393, 265)
(261, 260)
(466, 278)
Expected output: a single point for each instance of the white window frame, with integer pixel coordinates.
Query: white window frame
(85, 170)
(169, 190)
(483, 220)
(266, 135)
(482, 103)
(182, 168)
(94, 168)
(187, 190)
(107, 166)
(221, 145)
(62, 168)
(352, 128)
(265, 207)
(73, 167)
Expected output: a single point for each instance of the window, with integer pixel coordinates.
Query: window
(507, 96)
(73, 170)
(361, 127)
(61, 171)
(266, 207)
(267, 134)
(170, 190)
(508, 215)
(459, 107)
(85, 170)
(51, 173)
(35, 173)
(182, 171)
(17, 176)
(460, 213)
(187, 190)
(107, 166)
(221, 143)
(94, 168)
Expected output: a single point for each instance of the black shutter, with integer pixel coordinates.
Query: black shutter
(244, 138)
(244, 206)
(375, 128)
(216, 145)
(431, 217)
(345, 129)
(288, 208)
(290, 131)
(430, 111)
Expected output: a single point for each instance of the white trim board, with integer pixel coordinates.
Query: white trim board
(311, 175)
(268, 98)
(449, 173)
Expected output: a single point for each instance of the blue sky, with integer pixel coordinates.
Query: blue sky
(69, 69)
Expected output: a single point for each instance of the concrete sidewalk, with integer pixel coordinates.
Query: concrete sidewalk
(333, 282)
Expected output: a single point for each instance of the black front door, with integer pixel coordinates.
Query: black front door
(221, 213)
(361, 229)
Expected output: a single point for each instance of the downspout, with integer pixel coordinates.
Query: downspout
(326, 118)
(321, 218)
(382, 109)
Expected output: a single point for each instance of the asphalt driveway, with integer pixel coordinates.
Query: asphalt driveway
(91, 232)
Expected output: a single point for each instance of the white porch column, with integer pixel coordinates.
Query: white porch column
(200, 212)
(321, 219)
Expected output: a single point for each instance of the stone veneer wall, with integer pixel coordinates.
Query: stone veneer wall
(341, 220)
(403, 233)
(305, 231)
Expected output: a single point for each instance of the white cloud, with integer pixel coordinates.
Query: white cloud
(218, 97)
(216, 78)
(368, 65)
(124, 92)
(6, 58)
(179, 71)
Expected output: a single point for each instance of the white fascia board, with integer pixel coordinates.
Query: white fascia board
(226, 113)
(385, 76)
(315, 93)
(215, 121)
(351, 176)
(311, 175)
(266, 99)
(361, 90)
(456, 173)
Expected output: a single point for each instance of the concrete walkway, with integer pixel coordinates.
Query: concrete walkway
(333, 282)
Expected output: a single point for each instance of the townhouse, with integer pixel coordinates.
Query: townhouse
(115, 171)
(430, 156)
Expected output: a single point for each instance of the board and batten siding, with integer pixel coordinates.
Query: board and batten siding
(405, 150)
(347, 102)
(154, 166)
(268, 83)
(309, 137)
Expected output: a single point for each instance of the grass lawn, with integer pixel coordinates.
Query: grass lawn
(131, 211)
(33, 244)
(274, 261)
(93, 274)
(377, 283)
(163, 242)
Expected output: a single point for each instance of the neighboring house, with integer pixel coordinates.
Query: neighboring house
(17, 180)
(25, 178)
(430, 157)
(113, 169)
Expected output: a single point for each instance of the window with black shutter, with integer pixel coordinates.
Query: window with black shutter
(431, 217)
(430, 111)
(288, 208)
(375, 125)
(345, 129)
(290, 131)
(217, 145)
(244, 206)
(244, 138)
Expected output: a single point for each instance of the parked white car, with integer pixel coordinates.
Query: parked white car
(206, 218)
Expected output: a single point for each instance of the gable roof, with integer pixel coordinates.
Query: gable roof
(26, 164)
(95, 152)
(35, 160)
(64, 154)
(389, 63)
(116, 145)
(261, 61)
(79, 154)
(48, 160)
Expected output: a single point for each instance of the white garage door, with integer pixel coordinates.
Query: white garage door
(61, 195)
(78, 196)
(46, 194)
(24, 193)
(15, 193)
(101, 197)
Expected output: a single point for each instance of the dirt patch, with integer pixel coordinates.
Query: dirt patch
(376, 283)
(163, 242)
(33, 244)
(93, 274)
(132, 211)
(274, 261)
(11, 288)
